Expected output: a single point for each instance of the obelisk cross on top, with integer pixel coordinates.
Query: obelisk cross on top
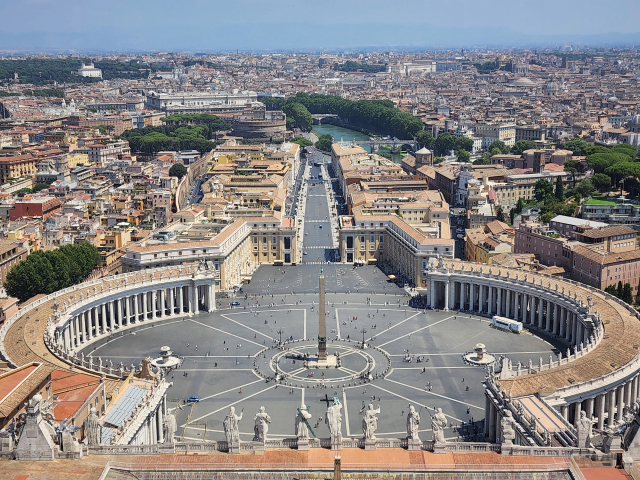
(322, 328)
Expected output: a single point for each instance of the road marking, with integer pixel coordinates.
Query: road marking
(232, 404)
(227, 333)
(432, 368)
(415, 331)
(392, 327)
(435, 394)
(346, 412)
(227, 391)
(224, 315)
(304, 325)
(337, 324)
(412, 401)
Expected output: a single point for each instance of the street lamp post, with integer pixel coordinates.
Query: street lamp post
(280, 332)
(363, 331)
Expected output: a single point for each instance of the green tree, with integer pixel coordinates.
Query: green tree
(104, 129)
(612, 290)
(543, 189)
(464, 143)
(572, 167)
(627, 294)
(599, 162)
(602, 182)
(620, 289)
(546, 217)
(178, 170)
(500, 214)
(444, 143)
(49, 271)
(522, 145)
(559, 191)
(463, 156)
(585, 188)
(300, 114)
(484, 159)
(576, 145)
(425, 139)
(324, 143)
(500, 145)
(303, 142)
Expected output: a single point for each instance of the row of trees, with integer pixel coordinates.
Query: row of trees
(150, 140)
(39, 71)
(445, 143)
(215, 123)
(351, 66)
(375, 115)
(300, 115)
(49, 271)
(623, 292)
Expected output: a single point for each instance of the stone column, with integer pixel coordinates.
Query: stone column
(507, 304)
(462, 292)
(135, 299)
(74, 331)
(574, 333)
(145, 305)
(172, 309)
(212, 298)
(180, 299)
(601, 399)
(482, 299)
(532, 310)
(487, 412)
(634, 390)
(189, 299)
(103, 319)
(83, 326)
(540, 312)
(499, 302)
(490, 302)
(589, 408)
(472, 299)
(492, 424)
(516, 308)
(564, 411)
(548, 316)
(196, 300)
(67, 337)
(127, 310)
(627, 394)
(610, 409)
(556, 322)
(576, 412)
(161, 424)
(112, 316)
(163, 308)
(154, 304)
(620, 398)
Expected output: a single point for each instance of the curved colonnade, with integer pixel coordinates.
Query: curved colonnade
(598, 372)
(66, 321)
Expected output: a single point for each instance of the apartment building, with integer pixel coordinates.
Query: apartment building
(12, 252)
(505, 132)
(235, 250)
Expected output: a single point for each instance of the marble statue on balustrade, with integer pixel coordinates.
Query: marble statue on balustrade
(370, 422)
(232, 430)
(92, 428)
(583, 428)
(302, 421)
(508, 434)
(170, 427)
(438, 424)
(333, 419)
(261, 427)
(413, 422)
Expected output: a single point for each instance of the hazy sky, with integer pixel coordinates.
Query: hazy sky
(263, 24)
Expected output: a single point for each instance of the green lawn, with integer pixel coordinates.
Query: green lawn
(599, 200)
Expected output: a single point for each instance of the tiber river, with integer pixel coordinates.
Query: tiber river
(345, 134)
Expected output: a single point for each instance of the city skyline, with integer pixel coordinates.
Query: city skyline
(285, 25)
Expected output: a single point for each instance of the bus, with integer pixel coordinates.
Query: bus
(505, 323)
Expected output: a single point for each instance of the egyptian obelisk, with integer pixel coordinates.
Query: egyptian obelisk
(322, 328)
